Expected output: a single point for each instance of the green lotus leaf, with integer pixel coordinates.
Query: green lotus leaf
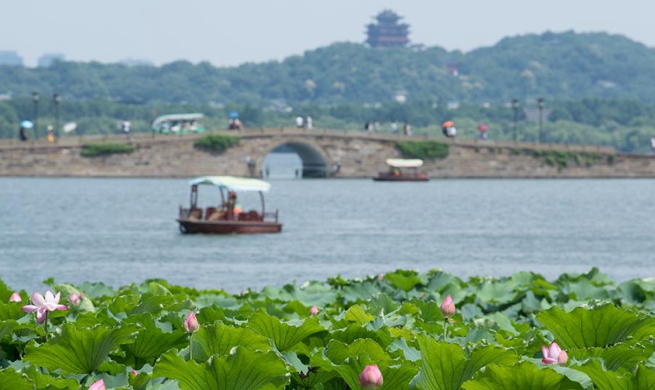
(584, 290)
(404, 279)
(6, 327)
(617, 356)
(350, 360)
(10, 379)
(78, 351)
(44, 381)
(600, 326)
(525, 375)
(360, 292)
(447, 366)
(11, 311)
(284, 336)
(607, 380)
(240, 370)
(150, 343)
(219, 339)
(357, 315)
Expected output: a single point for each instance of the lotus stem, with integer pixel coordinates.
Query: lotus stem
(445, 328)
(191, 347)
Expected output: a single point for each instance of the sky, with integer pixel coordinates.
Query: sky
(230, 32)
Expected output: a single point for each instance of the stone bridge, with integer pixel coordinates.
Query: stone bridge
(324, 153)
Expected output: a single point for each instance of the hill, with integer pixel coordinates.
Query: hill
(557, 66)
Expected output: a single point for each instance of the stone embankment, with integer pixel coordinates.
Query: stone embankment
(341, 154)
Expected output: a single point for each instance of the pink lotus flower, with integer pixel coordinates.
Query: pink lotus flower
(75, 298)
(371, 378)
(313, 311)
(98, 385)
(15, 297)
(448, 307)
(43, 305)
(380, 277)
(191, 323)
(554, 355)
(134, 372)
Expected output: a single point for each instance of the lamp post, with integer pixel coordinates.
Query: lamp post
(541, 119)
(56, 98)
(515, 107)
(35, 99)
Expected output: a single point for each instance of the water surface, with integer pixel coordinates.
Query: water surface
(123, 230)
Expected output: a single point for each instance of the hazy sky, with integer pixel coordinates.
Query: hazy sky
(232, 32)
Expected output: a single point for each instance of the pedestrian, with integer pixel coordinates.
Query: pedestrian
(50, 136)
(652, 143)
(376, 127)
(125, 127)
(394, 127)
(24, 136)
(407, 129)
(309, 123)
(299, 122)
(368, 127)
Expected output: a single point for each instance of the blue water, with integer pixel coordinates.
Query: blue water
(123, 230)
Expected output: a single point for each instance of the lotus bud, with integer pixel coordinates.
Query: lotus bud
(74, 298)
(448, 307)
(554, 355)
(380, 277)
(134, 372)
(371, 378)
(562, 358)
(15, 297)
(98, 385)
(313, 311)
(191, 323)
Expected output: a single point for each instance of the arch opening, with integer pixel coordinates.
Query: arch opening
(294, 160)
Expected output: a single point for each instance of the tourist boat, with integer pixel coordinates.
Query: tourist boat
(402, 170)
(227, 218)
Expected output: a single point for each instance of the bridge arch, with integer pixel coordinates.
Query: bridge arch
(315, 161)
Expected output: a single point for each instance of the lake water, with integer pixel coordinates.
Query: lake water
(123, 230)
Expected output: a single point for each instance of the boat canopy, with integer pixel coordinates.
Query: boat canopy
(402, 163)
(232, 183)
(156, 124)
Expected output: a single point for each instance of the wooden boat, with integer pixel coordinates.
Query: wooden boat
(402, 170)
(227, 218)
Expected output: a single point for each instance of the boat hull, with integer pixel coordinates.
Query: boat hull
(401, 178)
(188, 226)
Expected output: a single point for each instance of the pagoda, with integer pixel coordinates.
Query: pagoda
(387, 32)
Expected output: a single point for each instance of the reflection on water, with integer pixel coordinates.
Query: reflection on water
(123, 230)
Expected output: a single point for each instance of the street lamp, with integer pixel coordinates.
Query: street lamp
(515, 107)
(35, 99)
(56, 98)
(541, 118)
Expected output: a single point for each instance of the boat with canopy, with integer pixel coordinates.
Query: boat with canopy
(178, 124)
(228, 217)
(402, 170)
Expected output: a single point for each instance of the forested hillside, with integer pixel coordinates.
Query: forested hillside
(556, 66)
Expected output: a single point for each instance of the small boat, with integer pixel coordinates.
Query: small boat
(227, 218)
(402, 170)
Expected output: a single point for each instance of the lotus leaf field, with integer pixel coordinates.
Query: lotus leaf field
(322, 335)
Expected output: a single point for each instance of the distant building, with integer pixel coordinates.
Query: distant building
(49, 58)
(388, 32)
(10, 58)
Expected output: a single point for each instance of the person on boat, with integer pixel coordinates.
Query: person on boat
(231, 204)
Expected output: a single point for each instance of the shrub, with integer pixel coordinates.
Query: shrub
(95, 150)
(216, 142)
(423, 149)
